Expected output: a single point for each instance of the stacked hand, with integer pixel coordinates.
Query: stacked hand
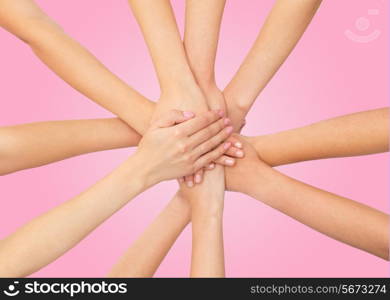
(179, 143)
(187, 132)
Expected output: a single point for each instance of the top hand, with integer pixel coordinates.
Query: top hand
(170, 150)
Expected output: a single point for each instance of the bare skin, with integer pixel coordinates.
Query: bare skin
(340, 218)
(73, 63)
(351, 139)
(279, 35)
(276, 157)
(180, 90)
(170, 151)
(355, 134)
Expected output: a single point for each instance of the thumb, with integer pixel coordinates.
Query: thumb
(172, 118)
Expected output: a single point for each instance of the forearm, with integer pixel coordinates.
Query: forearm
(207, 247)
(282, 30)
(47, 237)
(146, 254)
(342, 219)
(207, 227)
(350, 135)
(203, 21)
(72, 62)
(202, 27)
(162, 36)
(36, 144)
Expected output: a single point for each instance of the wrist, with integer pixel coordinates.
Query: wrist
(137, 169)
(236, 102)
(205, 80)
(268, 149)
(237, 111)
(183, 83)
(265, 176)
(206, 215)
(179, 207)
(206, 209)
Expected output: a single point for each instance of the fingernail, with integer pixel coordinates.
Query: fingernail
(211, 166)
(238, 144)
(220, 112)
(181, 180)
(239, 153)
(226, 121)
(198, 178)
(227, 145)
(229, 129)
(229, 161)
(188, 114)
(190, 184)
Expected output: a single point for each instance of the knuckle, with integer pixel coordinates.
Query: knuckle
(203, 119)
(177, 132)
(183, 147)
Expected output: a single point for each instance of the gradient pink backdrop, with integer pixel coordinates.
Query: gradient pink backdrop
(327, 75)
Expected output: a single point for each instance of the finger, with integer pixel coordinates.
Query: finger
(172, 118)
(225, 161)
(234, 139)
(235, 152)
(198, 176)
(212, 156)
(199, 122)
(189, 179)
(208, 132)
(212, 142)
(210, 166)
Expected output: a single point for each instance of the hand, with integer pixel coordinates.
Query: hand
(188, 98)
(249, 165)
(193, 99)
(170, 150)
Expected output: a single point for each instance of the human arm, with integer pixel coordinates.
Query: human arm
(36, 144)
(207, 202)
(73, 63)
(280, 33)
(146, 254)
(178, 86)
(202, 28)
(165, 152)
(49, 236)
(179, 89)
(360, 133)
(340, 218)
(21, 146)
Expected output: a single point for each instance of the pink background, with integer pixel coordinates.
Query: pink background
(327, 75)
